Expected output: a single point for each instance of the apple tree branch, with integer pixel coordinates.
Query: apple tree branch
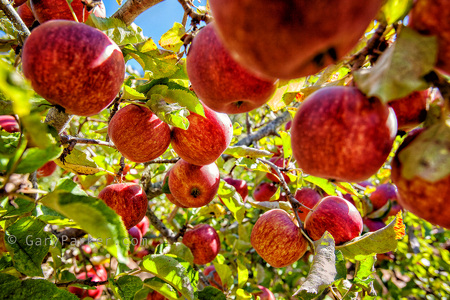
(131, 9)
(12, 15)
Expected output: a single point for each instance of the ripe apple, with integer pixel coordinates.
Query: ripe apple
(265, 295)
(264, 191)
(205, 139)
(373, 224)
(98, 270)
(192, 185)
(291, 39)
(26, 14)
(430, 17)
(73, 65)
(143, 225)
(18, 2)
(277, 239)
(281, 163)
(410, 110)
(215, 275)
(83, 293)
(138, 133)
(427, 200)
(288, 125)
(9, 124)
(170, 197)
(219, 81)
(46, 10)
(128, 200)
(382, 194)
(338, 133)
(308, 197)
(135, 237)
(154, 295)
(204, 243)
(240, 186)
(46, 170)
(395, 208)
(349, 198)
(337, 216)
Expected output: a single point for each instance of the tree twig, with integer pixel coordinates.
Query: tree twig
(14, 17)
(68, 139)
(187, 6)
(156, 222)
(131, 9)
(87, 282)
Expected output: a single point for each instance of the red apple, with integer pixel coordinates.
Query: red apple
(291, 39)
(98, 270)
(410, 110)
(337, 216)
(382, 194)
(46, 10)
(427, 200)
(281, 163)
(87, 249)
(338, 133)
(9, 124)
(288, 125)
(46, 170)
(83, 293)
(349, 198)
(138, 133)
(18, 2)
(264, 191)
(205, 139)
(192, 185)
(277, 239)
(135, 237)
(128, 200)
(143, 225)
(154, 295)
(265, 295)
(240, 186)
(431, 17)
(308, 197)
(395, 208)
(73, 65)
(142, 253)
(170, 197)
(220, 82)
(373, 224)
(26, 14)
(204, 243)
(214, 275)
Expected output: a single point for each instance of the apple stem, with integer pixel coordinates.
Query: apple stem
(13, 16)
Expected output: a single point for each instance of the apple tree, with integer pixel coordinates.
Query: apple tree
(263, 150)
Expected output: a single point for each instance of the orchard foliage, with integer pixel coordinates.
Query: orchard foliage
(58, 239)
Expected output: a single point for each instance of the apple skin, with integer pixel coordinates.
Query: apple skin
(17, 3)
(215, 275)
(83, 293)
(170, 197)
(291, 39)
(138, 133)
(154, 295)
(340, 134)
(9, 124)
(219, 81)
(410, 110)
(26, 14)
(264, 191)
(2, 242)
(84, 84)
(265, 295)
(143, 225)
(99, 271)
(135, 237)
(277, 239)
(308, 197)
(281, 163)
(46, 170)
(128, 200)
(337, 216)
(432, 17)
(205, 139)
(46, 10)
(240, 186)
(288, 125)
(382, 194)
(204, 243)
(373, 224)
(192, 185)
(427, 200)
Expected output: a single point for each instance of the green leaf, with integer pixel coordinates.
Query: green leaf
(93, 216)
(117, 30)
(324, 184)
(364, 271)
(40, 134)
(179, 250)
(248, 152)
(172, 114)
(232, 200)
(371, 243)
(171, 40)
(131, 94)
(5, 263)
(78, 163)
(293, 86)
(253, 164)
(323, 269)
(31, 289)
(24, 206)
(28, 245)
(242, 272)
(9, 143)
(395, 10)
(224, 271)
(286, 140)
(169, 269)
(428, 155)
(157, 65)
(400, 69)
(127, 286)
(34, 158)
(211, 293)
(161, 287)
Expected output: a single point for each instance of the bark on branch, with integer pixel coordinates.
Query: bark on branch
(131, 9)
(12, 15)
